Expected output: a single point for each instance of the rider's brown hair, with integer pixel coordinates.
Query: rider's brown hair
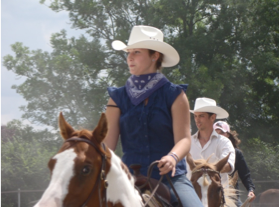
(233, 136)
(159, 60)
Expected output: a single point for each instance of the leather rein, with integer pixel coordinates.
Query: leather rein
(102, 175)
(206, 171)
(153, 193)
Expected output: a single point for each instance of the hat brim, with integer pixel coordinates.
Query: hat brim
(170, 55)
(220, 112)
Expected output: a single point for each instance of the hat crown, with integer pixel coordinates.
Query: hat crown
(142, 33)
(208, 105)
(203, 102)
(151, 38)
(222, 125)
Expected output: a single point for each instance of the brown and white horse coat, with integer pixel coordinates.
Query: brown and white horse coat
(207, 183)
(76, 168)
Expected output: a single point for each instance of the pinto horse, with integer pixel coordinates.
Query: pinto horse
(85, 172)
(206, 180)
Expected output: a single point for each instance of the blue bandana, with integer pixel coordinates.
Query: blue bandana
(141, 87)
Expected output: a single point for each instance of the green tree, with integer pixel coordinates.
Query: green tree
(263, 163)
(229, 52)
(228, 49)
(24, 156)
(259, 39)
(69, 80)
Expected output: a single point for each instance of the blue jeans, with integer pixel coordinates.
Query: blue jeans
(185, 190)
(238, 203)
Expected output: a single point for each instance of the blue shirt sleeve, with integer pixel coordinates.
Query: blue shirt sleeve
(184, 87)
(115, 93)
(243, 171)
(174, 91)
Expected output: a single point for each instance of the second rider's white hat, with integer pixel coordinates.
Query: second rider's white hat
(209, 105)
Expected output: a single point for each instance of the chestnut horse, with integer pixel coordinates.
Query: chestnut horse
(87, 173)
(206, 181)
(268, 198)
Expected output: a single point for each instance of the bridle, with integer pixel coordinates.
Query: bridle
(206, 171)
(102, 175)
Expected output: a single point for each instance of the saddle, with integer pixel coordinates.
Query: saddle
(154, 192)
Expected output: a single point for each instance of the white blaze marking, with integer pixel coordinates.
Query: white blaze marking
(204, 189)
(61, 175)
(120, 188)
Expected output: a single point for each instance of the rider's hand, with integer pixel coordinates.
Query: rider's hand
(251, 194)
(166, 164)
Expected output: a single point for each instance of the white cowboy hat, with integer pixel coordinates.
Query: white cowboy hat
(149, 38)
(210, 106)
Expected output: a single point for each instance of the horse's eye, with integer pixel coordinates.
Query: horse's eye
(86, 170)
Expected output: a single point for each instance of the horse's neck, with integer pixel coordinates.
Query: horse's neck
(121, 188)
(117, 171)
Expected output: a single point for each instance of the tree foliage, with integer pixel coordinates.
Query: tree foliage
(68, 80)
(24, 156)
(263, 159)
(229, 52)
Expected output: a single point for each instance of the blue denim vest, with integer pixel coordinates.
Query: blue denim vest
(146, 132)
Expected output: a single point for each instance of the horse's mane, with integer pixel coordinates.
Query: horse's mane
(84, 133)
(203, 163)
(230, 194)
(233, 179)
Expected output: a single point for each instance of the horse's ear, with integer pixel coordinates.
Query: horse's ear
(100, 131)
(219, 165)
(233, 179)
(209, 157)
(65, 129)
(190, 161)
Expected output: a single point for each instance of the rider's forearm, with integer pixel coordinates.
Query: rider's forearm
(226, 168)
(181, 148)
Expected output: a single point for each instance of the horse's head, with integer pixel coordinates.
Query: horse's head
(77, 167)
(207, 181)
(82, 170)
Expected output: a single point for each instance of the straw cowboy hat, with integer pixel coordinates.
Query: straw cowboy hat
(210, 106)
(148, 37)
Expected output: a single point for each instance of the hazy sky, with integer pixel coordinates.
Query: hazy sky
(31, 23)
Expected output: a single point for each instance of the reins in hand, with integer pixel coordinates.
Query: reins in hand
(150, 169)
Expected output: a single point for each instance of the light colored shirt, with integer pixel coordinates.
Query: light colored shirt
(218, 146)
